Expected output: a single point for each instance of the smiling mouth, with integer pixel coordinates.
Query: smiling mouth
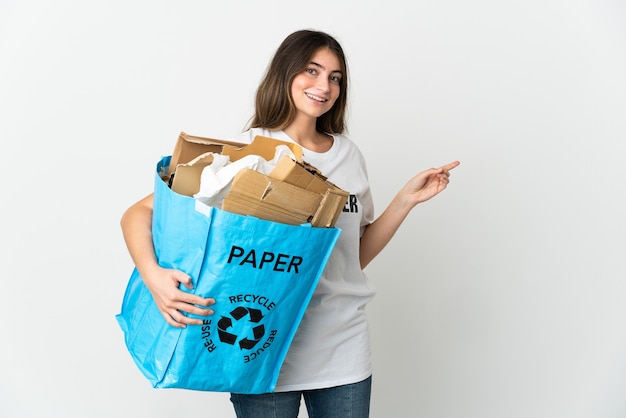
(316, 98)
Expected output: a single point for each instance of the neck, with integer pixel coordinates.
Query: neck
(305, 135)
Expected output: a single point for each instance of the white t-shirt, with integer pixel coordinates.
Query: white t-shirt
(331, 346)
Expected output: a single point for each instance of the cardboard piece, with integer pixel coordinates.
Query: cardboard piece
(187, 178)
(256, 194)
(309, 178)
(262, 146)
(189, 147)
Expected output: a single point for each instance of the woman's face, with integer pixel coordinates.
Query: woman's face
(315, 90)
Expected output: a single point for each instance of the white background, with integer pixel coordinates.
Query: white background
(502, 297)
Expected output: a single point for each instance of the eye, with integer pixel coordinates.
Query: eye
(311, 71)
(335, 79)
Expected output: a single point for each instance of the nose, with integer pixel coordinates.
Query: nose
(323, 84)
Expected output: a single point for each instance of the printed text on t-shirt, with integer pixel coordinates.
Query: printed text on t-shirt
(351, 205)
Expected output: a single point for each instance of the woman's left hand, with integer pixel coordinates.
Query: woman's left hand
(427, 184)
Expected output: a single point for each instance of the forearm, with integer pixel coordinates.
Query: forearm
(420, 188)
(136, 226)
(378, 234)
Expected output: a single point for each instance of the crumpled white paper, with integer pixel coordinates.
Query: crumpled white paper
(217, 177)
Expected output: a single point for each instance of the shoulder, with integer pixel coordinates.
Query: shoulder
(346, 141)
(346, 146)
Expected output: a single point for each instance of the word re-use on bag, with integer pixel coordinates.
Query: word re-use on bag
(262, 275)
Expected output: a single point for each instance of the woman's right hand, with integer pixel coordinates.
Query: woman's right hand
(172, 302)
(163, 283)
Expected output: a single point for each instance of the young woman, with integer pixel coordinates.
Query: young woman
(302, 99)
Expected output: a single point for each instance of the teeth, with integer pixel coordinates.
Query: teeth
(314, 97)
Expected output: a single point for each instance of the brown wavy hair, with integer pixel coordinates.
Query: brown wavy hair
(274, 106)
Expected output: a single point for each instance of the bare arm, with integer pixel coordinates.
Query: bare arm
(420, 188)
(163, 283)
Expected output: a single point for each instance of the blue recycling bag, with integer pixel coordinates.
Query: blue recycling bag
(262, 275)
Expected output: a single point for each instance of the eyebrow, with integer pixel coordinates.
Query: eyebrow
(323, 68)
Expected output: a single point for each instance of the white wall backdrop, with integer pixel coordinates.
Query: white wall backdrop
(503, 297)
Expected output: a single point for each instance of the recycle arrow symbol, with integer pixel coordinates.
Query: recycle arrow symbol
(258, 331)
(238, 313)
(222, 325)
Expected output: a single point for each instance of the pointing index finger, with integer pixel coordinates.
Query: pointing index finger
(450, 166)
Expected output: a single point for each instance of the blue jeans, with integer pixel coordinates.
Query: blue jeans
(346, 401)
